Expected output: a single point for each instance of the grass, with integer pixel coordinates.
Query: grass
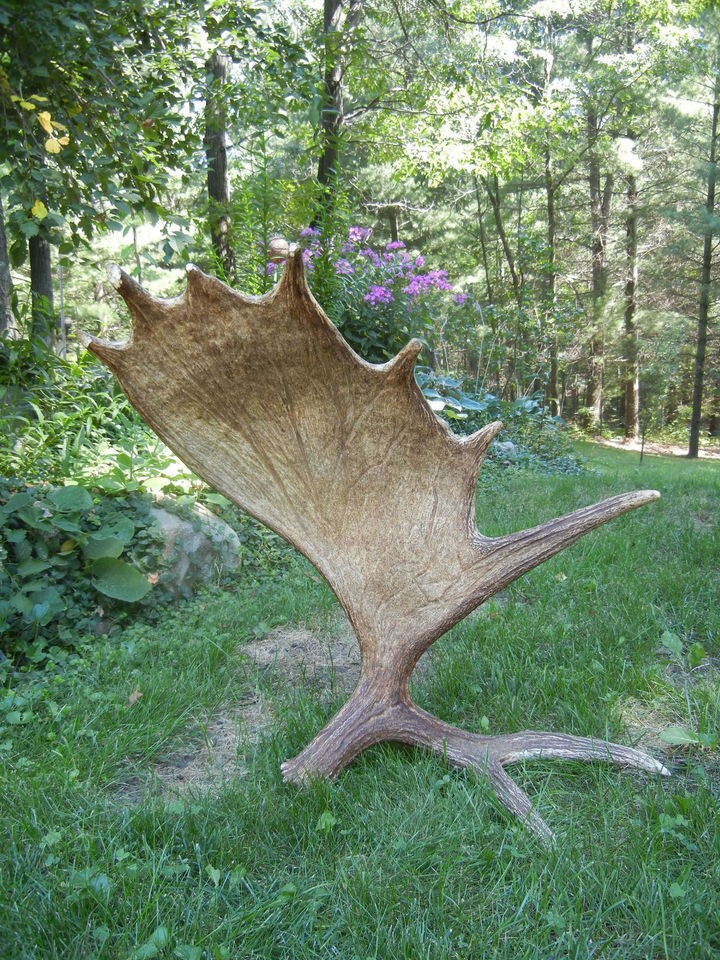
(399, 858)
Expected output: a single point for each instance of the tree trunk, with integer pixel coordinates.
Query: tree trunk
(600, 202)
(483, 240)
(332, 115)
(7, 320)
(492, 190)
(218, 184)
(551, 390)
(630, 349)
(705, 281)
(41, 289)
(392, 212)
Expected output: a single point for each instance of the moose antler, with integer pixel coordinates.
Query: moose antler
(264, 399)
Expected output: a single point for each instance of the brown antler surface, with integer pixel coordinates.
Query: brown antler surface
(264, 399)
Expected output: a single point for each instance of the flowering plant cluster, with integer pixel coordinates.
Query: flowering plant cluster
(382, 298)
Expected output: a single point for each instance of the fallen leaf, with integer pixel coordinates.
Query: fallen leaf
(134, 697)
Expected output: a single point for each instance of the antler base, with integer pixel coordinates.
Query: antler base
(374, 714)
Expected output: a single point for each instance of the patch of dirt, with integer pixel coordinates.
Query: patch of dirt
(293, 654)
(228, 739)
(645, 722)
(287, 655)
(326, 660)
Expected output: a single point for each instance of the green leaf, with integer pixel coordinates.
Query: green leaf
(672, 643)
(326, 821)
(678, 736)
(14, 536)
(696, 655)
(96, 547)
(29, 567)
(67, 525)
(71, 499)
(19, 717)
(185, 951)
(161, 937)
(145, 951)
(121, 527)
(29, 228)
(287, 892)
(118, 579)
(153, 946)
(17, 501)
(50, 839)
(218, 499)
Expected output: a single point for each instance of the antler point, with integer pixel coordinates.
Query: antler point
(114, 274)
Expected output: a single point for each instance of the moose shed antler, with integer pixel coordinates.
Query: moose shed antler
(264, 399)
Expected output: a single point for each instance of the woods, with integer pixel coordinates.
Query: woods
(558, 162)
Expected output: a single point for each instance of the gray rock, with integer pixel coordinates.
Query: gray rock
(195, 550)
(504, 448)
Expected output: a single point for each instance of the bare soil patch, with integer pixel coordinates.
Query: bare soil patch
(295, 654)
(327, 660)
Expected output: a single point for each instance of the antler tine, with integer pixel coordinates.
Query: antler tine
(144, 307)
(402, 365)
(477, 443)
(516, 553)
(293, 280)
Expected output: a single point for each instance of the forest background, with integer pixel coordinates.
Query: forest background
(528, 186)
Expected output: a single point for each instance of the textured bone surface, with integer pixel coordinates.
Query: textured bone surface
(264, 399)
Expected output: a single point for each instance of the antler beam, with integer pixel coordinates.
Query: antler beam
(264, 399)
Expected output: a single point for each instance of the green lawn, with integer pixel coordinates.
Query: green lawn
(617, 637)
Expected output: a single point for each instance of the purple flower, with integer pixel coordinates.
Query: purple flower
(419, 261)
(271, 268)
(423, 282)
(343, 267)
(415, 287)
(460, 299)
(438, 278)
(395, 245)
(309, 232)
(359, 234)
(377, 295)
(370, 255)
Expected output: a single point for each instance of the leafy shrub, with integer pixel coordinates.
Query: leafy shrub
(380, 299)
(68, 561)
(540, 439)
(54, 411)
